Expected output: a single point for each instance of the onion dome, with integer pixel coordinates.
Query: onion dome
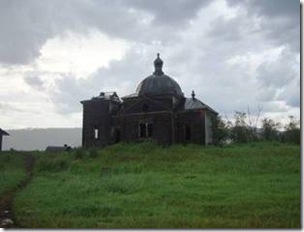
(158, 83)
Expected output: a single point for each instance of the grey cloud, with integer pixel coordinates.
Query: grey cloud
(232, 30)
(294, 101)
(197, 62)
(67, 95)
(271, 7)
(278, 73)
(291, 94)
(121, 76)
(27, 25)
(170, 11)
(7, 108)
(273, 107)
(283, 31)
(34, 81)
(281, 19)
(17, 39)
(281, 79)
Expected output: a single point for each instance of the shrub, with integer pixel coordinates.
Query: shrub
(220, 130)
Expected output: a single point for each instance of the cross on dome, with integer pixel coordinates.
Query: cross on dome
(158, 64)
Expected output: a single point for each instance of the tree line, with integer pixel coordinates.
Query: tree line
(244, 128)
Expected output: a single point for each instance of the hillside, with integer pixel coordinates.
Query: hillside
(146, 186)
(39, 139)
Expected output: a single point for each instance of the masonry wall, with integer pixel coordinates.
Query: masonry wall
(162, 127)
(96, 117)
(192, 121)
(116, 122)
(1, 141)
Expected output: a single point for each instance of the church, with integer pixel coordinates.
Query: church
(158, 111)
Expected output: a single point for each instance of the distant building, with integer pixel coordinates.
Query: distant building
(2, 133)
(58, 148)
(158, 111)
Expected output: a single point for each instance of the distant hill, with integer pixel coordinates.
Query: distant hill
(39, 139)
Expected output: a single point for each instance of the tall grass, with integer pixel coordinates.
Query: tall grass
(11, 170)
(148, 186)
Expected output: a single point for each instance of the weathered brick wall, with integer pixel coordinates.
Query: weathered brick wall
(96, 116)
(193, 119)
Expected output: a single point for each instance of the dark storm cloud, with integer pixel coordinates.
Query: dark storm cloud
(18, 39)
(270, 8)
(281, 19)
(27, 25)
(194, 56)
(274, 8)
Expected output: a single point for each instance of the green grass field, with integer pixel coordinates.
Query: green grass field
(11, 171)
(146, 186)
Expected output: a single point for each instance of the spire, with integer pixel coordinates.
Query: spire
(158, 64)
(193, 94)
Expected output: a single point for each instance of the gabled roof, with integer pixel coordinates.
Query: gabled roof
(133, 95)
(2, 132)
(193, 104)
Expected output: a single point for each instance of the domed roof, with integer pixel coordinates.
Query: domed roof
(158, 82)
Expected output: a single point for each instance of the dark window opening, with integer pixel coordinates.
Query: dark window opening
(145, 130)
(117, 136)
(142, 130)
(149, 130)
(187, 133)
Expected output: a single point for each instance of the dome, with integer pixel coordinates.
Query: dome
(158, 85)
(158, 82)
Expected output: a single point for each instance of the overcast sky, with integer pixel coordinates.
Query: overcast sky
(234, 54)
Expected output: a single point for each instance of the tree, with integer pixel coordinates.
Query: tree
(270, 129)
(220, 130)
(253, 120)
(292, 131)
(241, 132)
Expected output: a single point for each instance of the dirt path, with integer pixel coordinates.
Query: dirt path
(7, 217)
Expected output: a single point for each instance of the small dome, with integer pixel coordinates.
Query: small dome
(158, 82)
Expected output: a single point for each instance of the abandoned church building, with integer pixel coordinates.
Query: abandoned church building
(158, 111)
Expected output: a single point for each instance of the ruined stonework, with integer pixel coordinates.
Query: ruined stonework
(2, 133)
(158, 111)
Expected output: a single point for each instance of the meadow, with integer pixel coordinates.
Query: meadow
(11, 171)
(255, 185)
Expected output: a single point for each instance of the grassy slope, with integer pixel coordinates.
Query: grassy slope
(145, 186)
(11, 171)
